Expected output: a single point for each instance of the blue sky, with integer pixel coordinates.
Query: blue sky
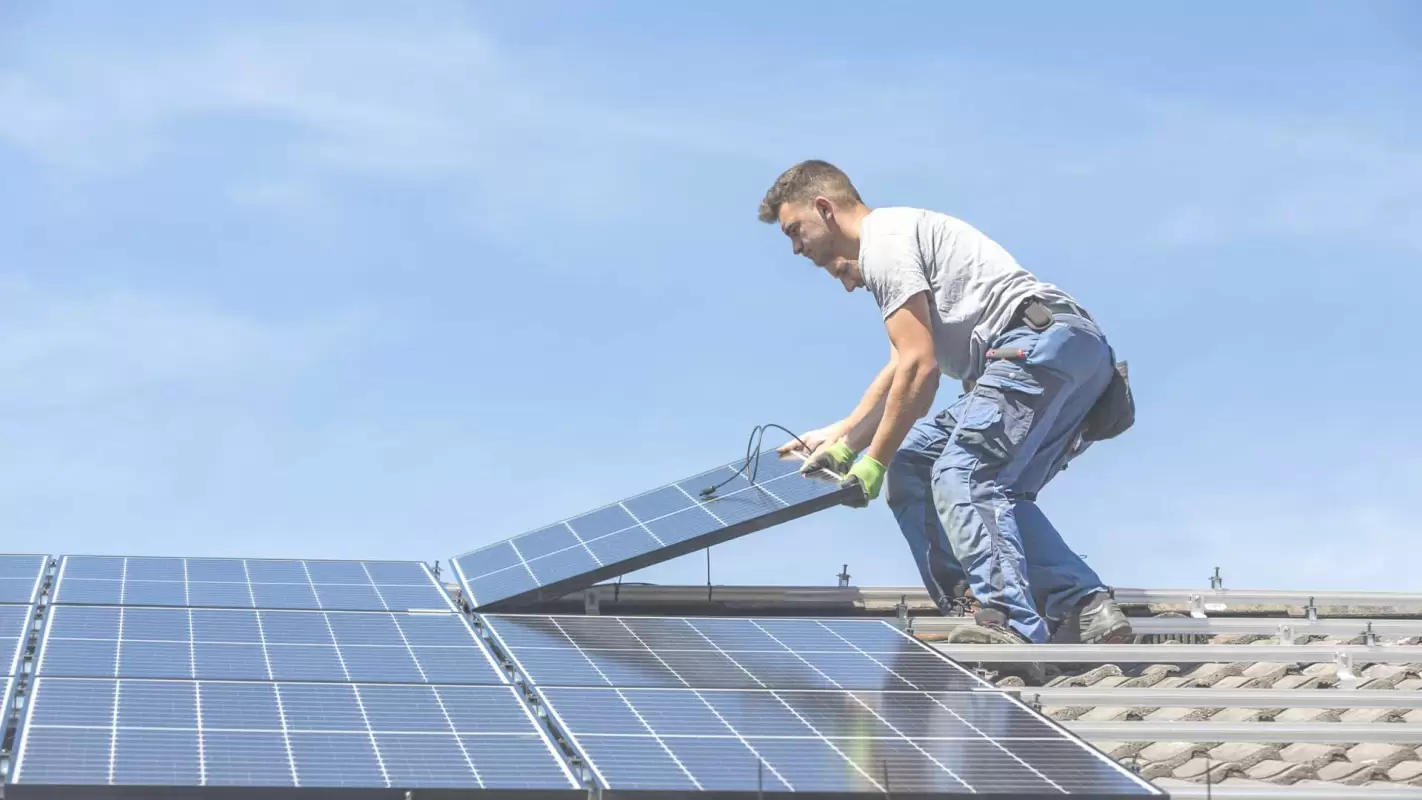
(357, 282)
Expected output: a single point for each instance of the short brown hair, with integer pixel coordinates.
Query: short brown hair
(804, 182)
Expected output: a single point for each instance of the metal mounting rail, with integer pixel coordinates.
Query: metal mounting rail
(1284, 627)
(1263, 791)
(1179, 653)
(1225, 598)
(1217, 698)
(1399, 733)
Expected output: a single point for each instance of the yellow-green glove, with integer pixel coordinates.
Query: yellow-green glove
(836, 457)
(868, 473)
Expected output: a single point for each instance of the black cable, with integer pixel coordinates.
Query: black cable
(753, 451)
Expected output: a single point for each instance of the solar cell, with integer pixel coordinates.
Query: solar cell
(706, 652)
(235, 644)
(14, 630)
(21, 576)
(249, 583)
(80, 732)
(829, 741)
(646, 529)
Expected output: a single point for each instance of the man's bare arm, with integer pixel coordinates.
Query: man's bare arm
(913, 381)
(858, 428)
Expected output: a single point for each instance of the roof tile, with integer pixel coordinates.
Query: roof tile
(1407, 772)
(1239, 715)
(1371, 715)
(1303, 682)
(1386, 756)
(1207, 675)
(1349, 773)
(1267, 670)
(1311, 753)
(1170, 754)
(1195, 770)
(1307, 715)
(1274, 771)
(1245, 754)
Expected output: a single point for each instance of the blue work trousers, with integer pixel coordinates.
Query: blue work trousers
(963, 484)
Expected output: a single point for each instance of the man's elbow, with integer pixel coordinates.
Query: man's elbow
(923, 375)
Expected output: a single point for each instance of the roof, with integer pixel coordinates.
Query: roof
(1223, 692)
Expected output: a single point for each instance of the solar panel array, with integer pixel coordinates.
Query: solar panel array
(220, 672)
(697, 704)
(646, 529)
(151, 695)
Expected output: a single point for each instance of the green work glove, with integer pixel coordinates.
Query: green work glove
(836, 457)
(868, 473)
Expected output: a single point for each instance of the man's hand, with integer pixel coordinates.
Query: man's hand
(868, 474)
(812, 441)
(836, 457)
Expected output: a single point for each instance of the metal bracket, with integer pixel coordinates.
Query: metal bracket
(1369, 637)
(1217, 582)
(1347, 678)
(1287, 634)
(1197, 606)
(901, 612)
(1311, 611)
(844, 576)
(592, 602)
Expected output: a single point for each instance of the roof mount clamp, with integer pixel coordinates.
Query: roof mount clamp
(1197, 606)
(1217, 582)
(1370, 638)
(1287, 634)
(1311, 611)
(592, 602)
(901, 612)
(843, 576)
(1347, 678)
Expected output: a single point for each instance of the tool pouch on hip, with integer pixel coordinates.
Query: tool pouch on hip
(1114, 411)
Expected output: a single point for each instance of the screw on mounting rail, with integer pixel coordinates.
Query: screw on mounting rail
(1217, 582)
(844, 576)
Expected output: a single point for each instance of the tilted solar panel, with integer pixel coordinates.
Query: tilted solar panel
(667, 704)
(233, 644)
(249, 583)
(646, 529)
(21, 576)
(709, 652)
(82, 732)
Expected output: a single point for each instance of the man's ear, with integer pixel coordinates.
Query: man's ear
(825, 207)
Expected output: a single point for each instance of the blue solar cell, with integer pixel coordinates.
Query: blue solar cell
(249, 583)
(185, 733)
(233, 644)
(246, 758)
(643, 530)
(21, 577)
(789, 653)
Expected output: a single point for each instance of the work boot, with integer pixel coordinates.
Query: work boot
(990, 627)
(1096, 620)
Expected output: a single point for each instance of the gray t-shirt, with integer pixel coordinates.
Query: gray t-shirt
(975, 286)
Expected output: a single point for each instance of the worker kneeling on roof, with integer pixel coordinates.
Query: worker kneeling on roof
(1040, 385)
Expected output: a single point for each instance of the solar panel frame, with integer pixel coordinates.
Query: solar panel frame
(171, 651)
(15, 624)
(15, 572)
(174, 591)
(637, 520)
(997, 755)
(302, 748)
(729, 662)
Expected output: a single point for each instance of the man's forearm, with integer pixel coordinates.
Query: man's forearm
(911, 388)
(858, 428)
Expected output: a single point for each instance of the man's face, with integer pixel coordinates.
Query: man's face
(814, 234)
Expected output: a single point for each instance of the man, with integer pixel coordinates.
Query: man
(962, 484)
